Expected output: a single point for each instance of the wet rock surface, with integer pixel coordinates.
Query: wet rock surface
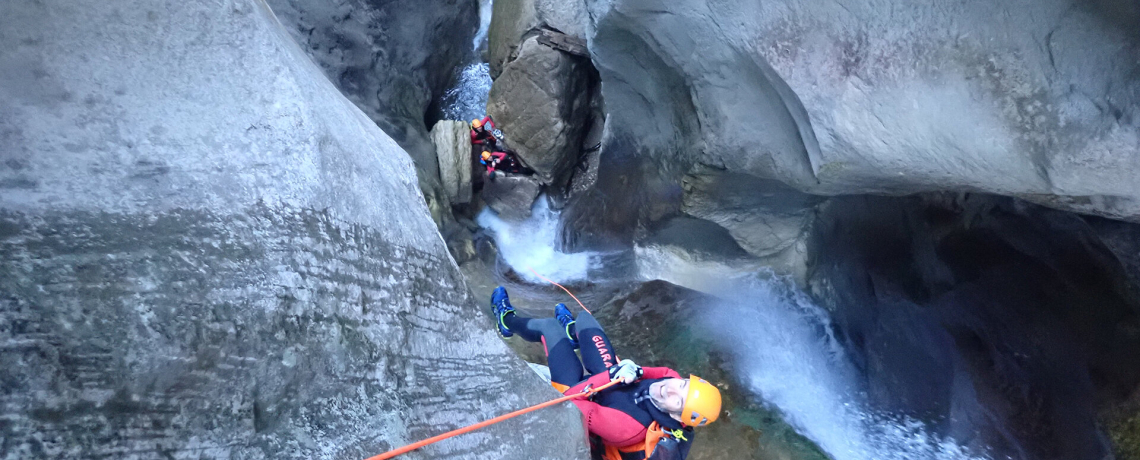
(511, 196)
(766, 218)
(1018, 319)
(207, 252)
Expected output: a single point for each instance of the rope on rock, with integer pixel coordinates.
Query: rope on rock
(563, 288)
(469, 428)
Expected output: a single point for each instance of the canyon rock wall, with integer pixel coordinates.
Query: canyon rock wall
(1027, 98)
(207, 251)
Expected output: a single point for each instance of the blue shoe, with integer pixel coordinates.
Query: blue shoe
(500, 307)
(565, 318)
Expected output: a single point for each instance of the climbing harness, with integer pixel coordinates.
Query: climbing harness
(416, 445)
(654, 435)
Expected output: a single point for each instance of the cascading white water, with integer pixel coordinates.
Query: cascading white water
(533, 243)
(785, 353)
(468, 98)
(485, 8)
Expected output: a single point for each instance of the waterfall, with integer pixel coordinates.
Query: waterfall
(533, 243)
(785, 353)
(468, 98)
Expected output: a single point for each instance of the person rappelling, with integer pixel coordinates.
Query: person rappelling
(483, 132)
(649, 415)
(629, 412)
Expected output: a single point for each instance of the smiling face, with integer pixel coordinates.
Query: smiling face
(669, 395)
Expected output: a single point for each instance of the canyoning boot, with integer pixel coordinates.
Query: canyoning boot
(566, 320)
(500, 308)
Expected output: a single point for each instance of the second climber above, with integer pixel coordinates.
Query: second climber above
(483, 132)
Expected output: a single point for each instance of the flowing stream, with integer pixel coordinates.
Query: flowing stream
(785, 352)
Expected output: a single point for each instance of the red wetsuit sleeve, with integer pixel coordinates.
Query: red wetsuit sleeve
(475, 138)
(488, 121)
(499, 155)
(659, 373)
(613, 426)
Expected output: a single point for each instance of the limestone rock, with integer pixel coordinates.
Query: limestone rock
(453, 149)
(390, 57)
(206, 251)
(514, 20)
(693, 253)
(541, 102)
(897, 97)
(511, 196)
(766, 217)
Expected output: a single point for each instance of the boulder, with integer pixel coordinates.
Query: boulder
(766, 218)
(206, 251)
(514, 20)
(392, 58)
(898, 97)
(511, 196)
(453, 149)
(541, 102)
(693, 253)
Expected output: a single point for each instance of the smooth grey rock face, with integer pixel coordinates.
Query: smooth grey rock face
(390, 57)
(453, 149)
(1025, 98)
(207, 252)
(511, 196)
(514, 20)
(767, 218)
(541, 102)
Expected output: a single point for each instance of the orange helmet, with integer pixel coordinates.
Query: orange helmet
(486, 155)
(702, 403)
(476, 123)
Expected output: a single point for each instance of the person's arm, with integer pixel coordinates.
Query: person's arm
(475, 138)
(659, 373)
(488, 121)
(499, 156)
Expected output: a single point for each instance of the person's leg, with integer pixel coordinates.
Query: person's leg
(565, 367)
(597, 353)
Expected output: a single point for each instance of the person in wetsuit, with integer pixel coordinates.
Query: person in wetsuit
(651, 415)
(482, 132)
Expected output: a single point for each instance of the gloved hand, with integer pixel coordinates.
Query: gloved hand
(627, 371)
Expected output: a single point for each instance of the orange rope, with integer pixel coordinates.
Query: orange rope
(559, 285)
(469, 428)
